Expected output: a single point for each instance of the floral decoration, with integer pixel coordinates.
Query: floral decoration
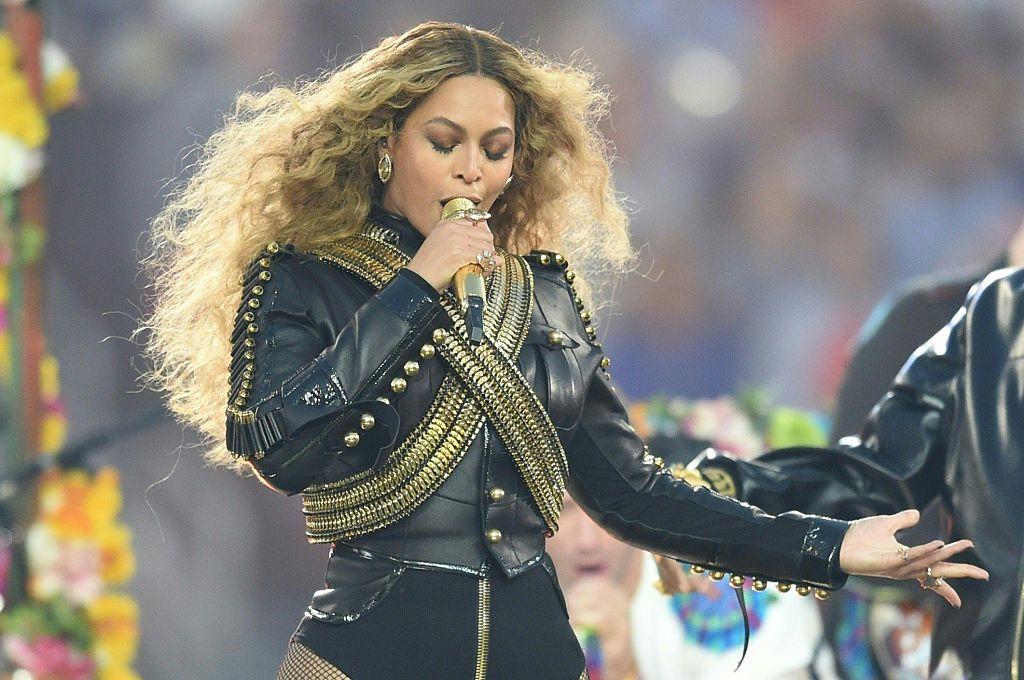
(74, 624)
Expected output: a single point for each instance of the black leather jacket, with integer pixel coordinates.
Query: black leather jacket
(326, 347)
(952, 428)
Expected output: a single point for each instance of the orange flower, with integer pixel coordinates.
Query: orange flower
(118, 560)
(115, 621)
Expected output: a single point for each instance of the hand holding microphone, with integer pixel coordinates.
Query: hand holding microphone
(459, 251)
(469, 279)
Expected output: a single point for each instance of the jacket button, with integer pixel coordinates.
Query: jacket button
(493, 536)
(803, 591)
(556, 338)
(497, 494)
(822, 594)
(439, 335)
(427, 351)
(736, 580)
(411, 368)
(366, 421)
(398, 385)
(352, 439)
(784, 587)
(760, 585)
(605, 362)
(717, 575)
(696, 569)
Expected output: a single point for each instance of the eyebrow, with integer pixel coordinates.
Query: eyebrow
(448, 122)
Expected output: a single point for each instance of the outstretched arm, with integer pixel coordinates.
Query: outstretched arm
(642, 505)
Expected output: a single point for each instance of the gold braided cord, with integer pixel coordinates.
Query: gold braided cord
(501, 390)
(482, 383)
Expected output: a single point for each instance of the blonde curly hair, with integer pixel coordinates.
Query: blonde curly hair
(298, 165)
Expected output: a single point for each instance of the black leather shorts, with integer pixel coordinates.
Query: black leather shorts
(433, 625)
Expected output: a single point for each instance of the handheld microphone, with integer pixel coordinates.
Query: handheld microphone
(469, 279)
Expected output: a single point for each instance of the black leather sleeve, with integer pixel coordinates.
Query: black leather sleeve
(897, 462)
(320, 342)
(628, 495)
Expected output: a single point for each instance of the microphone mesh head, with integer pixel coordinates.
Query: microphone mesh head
(456, 207)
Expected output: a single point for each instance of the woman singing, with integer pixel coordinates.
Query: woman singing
(305, 270)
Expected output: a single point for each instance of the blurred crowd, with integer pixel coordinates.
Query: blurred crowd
(789, 162)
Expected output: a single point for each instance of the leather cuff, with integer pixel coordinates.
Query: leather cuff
(819, 562)
(408, 296)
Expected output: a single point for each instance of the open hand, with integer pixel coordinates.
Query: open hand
(871, 549)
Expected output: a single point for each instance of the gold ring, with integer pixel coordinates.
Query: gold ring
(930, 581)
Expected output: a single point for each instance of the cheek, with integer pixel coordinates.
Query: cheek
(416, 174)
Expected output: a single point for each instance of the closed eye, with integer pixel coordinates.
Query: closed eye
(440, 148)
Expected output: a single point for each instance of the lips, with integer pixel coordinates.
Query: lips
(476, 200)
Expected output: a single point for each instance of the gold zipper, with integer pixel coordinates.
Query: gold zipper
(483, 628)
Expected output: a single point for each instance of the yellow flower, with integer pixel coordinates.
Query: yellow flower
(49, 377)
(53, 430)
(62, 91)
(103, 502)
(117, 673)
(20, 116)
(8, 55)
(118, 560)
(115, 621)
(60, 76)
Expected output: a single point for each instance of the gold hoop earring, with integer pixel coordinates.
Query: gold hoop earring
(384, 168)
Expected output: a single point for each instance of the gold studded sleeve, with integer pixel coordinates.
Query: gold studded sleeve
(625, 490)
(310, 344)
(631, 497)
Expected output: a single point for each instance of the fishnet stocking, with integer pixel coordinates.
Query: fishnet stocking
(300, 663)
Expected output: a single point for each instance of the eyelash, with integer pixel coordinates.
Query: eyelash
(448, 149)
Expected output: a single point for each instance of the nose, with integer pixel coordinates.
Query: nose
(468, 165)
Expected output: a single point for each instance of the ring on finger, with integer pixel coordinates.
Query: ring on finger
(930, 580)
